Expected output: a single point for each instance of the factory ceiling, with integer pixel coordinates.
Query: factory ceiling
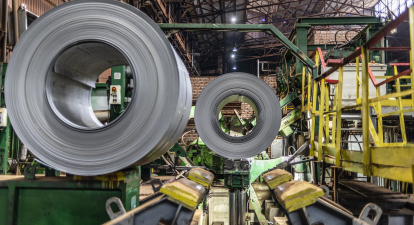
(216, 49)
(210, 53)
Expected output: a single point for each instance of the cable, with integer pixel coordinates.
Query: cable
(182, 136)
(297, 171)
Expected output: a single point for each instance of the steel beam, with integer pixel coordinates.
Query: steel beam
(301, 41)
(322, 46)
(267, 28)
(365, 113)
(371, 42)
(334, 21)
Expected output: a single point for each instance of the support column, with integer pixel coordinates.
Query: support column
(412, 175)
(411, 27)
(323, 172)
(338, 118)
(335, 181)
(301, 42)
(375, 55)
(321, 119)
(366, 153)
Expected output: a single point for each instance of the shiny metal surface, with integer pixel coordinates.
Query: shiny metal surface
(54, 68)
(102, 116)
(244, 87)
(233, 207)
(242, 207)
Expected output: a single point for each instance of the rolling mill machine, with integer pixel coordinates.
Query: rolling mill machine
(85, 148)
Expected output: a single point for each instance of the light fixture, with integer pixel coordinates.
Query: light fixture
(234, 67)
(284, 21)
(233, 19)
(234, 48)
(263, 19)
(232, 55)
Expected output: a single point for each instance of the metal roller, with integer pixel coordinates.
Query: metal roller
(54, 68)
(240, 87)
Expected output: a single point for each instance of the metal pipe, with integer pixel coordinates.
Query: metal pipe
(4, 27)
(258, 68)
(15, 22)
(242, 207)
(102, 116)
(268, 62)
(232, 207)
(303, 161)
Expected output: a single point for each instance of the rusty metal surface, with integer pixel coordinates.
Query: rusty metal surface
(263, 193)
(185, 192)
(294, 195)
(201, 176)
(396, 207)
(277, 177)
(370, 191)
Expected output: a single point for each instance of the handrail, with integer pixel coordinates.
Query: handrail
(400, 64)
(394, 77)
(324, 66)
(371, 75)
(370, 43)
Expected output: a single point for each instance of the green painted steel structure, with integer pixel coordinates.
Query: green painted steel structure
(63, 200)
(9, 142)
(176, 27)
(351, 20)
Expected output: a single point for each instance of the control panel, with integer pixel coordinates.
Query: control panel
(115, 95)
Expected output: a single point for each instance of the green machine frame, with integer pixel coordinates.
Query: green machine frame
(52, 199)
(65, 200)
(9, 142)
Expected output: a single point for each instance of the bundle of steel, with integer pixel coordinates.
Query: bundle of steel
(54, 68)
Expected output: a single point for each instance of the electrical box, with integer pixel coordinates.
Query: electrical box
(276, 149)
(115, 95)
(332, 90)
(3, 117)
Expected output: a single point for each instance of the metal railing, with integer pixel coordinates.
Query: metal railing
(377, 158)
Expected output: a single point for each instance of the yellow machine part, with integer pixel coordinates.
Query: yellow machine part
(277, 177)
(201, 176)
(185, 192)
(294, 195)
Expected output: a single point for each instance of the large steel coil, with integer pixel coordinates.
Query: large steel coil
(241, 87)
(54, 68)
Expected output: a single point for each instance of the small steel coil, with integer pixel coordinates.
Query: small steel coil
(240, 87)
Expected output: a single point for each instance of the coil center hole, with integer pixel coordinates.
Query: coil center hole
(237, 115)
(89, 85)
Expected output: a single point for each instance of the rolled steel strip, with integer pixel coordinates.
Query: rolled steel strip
(241, 87)
(54, 68)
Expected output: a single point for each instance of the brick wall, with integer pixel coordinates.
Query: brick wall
(328, 37)
(104, 76)
(246, 111)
